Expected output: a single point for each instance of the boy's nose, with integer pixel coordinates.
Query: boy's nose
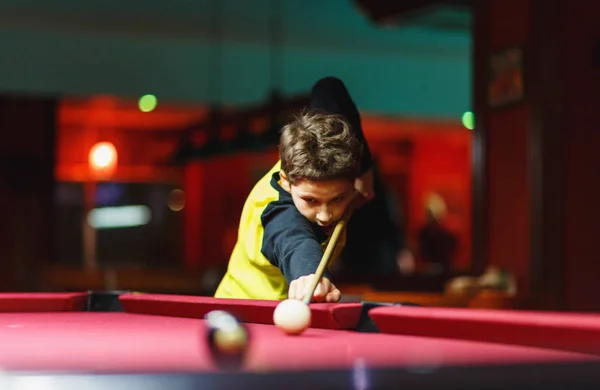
(324, 216)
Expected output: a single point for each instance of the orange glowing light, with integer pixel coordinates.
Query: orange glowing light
(103, 160)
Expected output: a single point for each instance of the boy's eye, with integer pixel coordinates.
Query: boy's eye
(338, 199)
(309, 200)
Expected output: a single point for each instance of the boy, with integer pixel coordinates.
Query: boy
(291, 212)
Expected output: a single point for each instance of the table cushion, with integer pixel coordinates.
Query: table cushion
(324, 315)
(42, 302)
(564, 331)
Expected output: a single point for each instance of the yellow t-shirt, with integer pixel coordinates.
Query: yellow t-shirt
(276, 245)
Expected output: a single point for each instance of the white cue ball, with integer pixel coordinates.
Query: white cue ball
(292, 316)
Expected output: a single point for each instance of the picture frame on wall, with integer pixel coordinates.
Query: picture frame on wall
(506, 81)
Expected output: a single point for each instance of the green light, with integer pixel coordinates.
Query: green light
(468, 120)
(147, 103)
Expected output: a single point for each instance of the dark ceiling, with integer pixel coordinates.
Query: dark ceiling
(438, 14)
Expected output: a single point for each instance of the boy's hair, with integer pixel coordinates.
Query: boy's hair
(319, 146)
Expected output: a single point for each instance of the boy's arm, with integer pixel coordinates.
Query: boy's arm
(290, 243)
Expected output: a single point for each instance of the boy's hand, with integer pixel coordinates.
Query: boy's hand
(324, 292)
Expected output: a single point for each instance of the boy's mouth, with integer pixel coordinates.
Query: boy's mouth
(327, 229)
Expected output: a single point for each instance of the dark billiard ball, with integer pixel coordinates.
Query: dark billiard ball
(228, 339)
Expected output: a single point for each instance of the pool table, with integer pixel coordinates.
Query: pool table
(114, 340)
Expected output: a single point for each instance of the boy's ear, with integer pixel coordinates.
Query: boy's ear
(285, 183)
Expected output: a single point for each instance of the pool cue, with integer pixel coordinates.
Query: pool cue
(337, 231)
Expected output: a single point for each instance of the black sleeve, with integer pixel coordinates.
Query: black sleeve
(367, 159)
(290, 242)
(356, 123)
(352, 115)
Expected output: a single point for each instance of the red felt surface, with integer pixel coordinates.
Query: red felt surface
(563, 331)
(324, 315)
(105, 342)
(42, 302)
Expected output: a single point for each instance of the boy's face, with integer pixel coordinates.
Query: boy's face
(321, 202)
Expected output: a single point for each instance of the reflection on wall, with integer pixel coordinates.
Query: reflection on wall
(137, 212)
(133, 221)
(440, 162)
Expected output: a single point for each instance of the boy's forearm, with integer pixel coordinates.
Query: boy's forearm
(304, 260)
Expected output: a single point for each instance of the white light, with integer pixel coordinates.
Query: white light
(119, 217)
(103, 154)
